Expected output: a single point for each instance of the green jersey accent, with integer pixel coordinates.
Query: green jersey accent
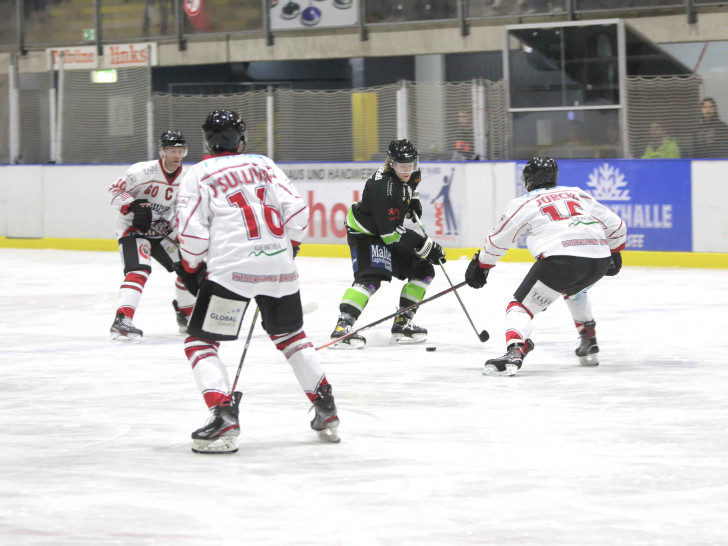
(353, 224)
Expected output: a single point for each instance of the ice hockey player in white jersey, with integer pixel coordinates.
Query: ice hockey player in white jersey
(576, 241)
(240, 222)
(145, 197)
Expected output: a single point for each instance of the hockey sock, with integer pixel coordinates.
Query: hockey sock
(413, 292)
(130, 292)
(580, 307)
(185, 300)
(518, 323)
(302, 358)
(356, 298)
(209, 371)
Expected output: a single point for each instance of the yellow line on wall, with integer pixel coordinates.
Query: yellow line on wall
(632, 257)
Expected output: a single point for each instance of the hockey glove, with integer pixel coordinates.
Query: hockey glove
(432, 252)
(142, 211)
(192, 281)
(296, 248)
(615, 264)
(475, 275)
(415, 206)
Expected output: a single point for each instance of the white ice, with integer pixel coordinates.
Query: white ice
(95, 444)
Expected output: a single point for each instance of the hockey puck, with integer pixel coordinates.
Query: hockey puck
(430, 349)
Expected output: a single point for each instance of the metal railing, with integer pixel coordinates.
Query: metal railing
(37, 24)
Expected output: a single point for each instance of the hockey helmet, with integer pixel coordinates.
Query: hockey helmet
(540, 172)
(172, 139)
(224, 130)
(403, 158)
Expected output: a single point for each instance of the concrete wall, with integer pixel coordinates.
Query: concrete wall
(405, 39)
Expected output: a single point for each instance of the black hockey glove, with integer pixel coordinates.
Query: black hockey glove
(475, 275)
(192, 281)
(432, 252)
(415, 206)
(615, 264)
(142, 211)
(296, 248)
(415, 179)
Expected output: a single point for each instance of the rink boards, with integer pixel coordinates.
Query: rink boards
(673, 208)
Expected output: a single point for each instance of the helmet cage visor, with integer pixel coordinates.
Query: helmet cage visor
(405, 168)
(163, 149)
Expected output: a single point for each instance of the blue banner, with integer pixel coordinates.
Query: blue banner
(652, 196)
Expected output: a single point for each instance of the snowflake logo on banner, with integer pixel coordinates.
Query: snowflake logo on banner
(607, 184)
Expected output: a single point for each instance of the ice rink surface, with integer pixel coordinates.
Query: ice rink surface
(96, 434)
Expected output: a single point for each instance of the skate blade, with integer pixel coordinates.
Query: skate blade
(131, 338)
(491, 369)
(589, 360)
(401, 339)
(348, 345)
(222, 445)
(329, 435)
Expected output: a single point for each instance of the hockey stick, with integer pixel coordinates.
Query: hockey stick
(396, 313)
(154, 231)
(482, 336)
(236, 399)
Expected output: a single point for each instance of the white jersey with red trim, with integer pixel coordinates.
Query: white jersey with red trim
(558, 221)
(146, 180)
(239, 214)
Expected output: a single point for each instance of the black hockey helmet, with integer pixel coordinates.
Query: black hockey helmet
(402, 151)
(224, 129)
(540, 172)
(172, 138)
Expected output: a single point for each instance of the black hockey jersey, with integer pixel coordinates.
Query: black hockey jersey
(381, 212)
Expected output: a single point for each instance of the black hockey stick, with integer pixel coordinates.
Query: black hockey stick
(482, 336)
(236, 399)
(155, 231)
(401, 311)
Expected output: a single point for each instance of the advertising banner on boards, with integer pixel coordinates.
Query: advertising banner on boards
(653, 197)
(329, 189)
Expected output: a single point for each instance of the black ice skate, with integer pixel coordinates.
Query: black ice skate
(123, 329)
(326, 421)
(588, 348)
(511, 362)
(181, 318)
(406, 331)
(220, 434)
(343, 327)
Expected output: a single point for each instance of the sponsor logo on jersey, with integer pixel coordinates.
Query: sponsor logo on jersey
(144, 250)
(267, 250)
(381, 257)
(226, 318)
(584, 242)
(257, 279)
(394, 214)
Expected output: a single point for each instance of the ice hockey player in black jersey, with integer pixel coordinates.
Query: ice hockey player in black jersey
(382, 248)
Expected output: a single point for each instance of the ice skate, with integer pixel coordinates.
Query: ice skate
(326, 421)
(181, 318)
(343, 327)
(588, 348)
(511, 362)
(220, 434)
(406, 331)
(123, 329)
